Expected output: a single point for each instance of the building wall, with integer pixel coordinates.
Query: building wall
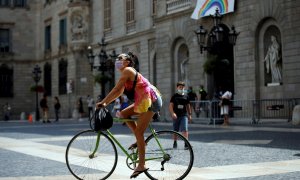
(156, 39)
(22, 23)
(250, 19)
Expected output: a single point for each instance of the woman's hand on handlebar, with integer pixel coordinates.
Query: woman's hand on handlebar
(100, 105)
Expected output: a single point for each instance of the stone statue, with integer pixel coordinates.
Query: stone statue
(272, 60)
(183, 70)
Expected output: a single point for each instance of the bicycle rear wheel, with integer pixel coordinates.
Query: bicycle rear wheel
(175, 162)
(80, 159)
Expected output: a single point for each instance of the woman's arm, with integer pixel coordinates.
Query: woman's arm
(171, 109)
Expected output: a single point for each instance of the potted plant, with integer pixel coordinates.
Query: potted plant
(99, 78)
(210, 64)
(38, 88)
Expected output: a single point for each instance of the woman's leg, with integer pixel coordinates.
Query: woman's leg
(184, 126)
(138, 129)
(142, 125)
(127, 113)
(226, 112)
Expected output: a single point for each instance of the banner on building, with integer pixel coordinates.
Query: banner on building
(208, 7)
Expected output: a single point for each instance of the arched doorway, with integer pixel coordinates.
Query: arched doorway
(220, 64)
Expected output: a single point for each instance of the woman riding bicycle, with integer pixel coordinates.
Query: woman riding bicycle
(147, 101)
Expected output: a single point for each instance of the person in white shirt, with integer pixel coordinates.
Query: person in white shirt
(90, 101)
(225, 106)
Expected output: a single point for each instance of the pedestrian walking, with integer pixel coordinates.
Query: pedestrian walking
(124, 102)
(90, 102)
(6, 111)
(117, 106)
(181, 113)
(56, 108)
(45, 109)
(203, 97)
(80, 108)
(193, 98)
(224, 103)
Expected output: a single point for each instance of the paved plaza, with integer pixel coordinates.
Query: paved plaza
(266, 151)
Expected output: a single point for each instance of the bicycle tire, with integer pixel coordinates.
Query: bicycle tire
(78, 154)
(180, 161)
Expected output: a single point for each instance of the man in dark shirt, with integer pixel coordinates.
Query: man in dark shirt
(180, 111)
(193, 98)
(203, 93)
(45, 109)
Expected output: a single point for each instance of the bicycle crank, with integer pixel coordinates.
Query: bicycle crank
(132, 161)
(167, 157)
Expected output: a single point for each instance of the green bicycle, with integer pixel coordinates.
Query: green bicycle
(93, 154)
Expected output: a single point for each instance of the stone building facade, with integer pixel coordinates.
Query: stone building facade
(161, 34)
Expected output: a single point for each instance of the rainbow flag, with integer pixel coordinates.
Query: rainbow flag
(208, 7)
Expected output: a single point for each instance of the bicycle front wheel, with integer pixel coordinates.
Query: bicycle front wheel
(167, 160)
(85, 161)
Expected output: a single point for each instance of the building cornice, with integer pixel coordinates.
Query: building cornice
(134, 36)
(169, 17)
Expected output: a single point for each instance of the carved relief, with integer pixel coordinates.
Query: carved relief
(79, 27)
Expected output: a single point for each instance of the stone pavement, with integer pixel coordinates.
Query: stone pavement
(219, 153)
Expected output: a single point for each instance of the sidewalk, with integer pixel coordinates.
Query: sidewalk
(233, 122)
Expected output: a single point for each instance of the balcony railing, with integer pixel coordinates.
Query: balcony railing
(174, 6)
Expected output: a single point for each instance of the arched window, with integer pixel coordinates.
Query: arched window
(62, 76)
(6, 81)
(47, 79)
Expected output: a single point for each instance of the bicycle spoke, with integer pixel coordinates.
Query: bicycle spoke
(177, 162)
(82, 165)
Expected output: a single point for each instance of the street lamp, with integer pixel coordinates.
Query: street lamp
(36, 75)
(104, 64)
(216, 35)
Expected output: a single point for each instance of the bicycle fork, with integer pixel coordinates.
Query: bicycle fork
(91, 156)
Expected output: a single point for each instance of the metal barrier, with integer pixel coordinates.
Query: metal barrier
(249, 111)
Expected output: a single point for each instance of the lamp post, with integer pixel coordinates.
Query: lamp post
(102, 65)
(113, 57)
(216, 35)
(36, 74)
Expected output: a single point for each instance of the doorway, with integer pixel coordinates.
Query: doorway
(222, 72)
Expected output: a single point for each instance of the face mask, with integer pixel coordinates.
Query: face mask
(119, 64)
(180, 91)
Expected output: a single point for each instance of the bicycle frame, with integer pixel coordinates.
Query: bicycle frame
(110, 134)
